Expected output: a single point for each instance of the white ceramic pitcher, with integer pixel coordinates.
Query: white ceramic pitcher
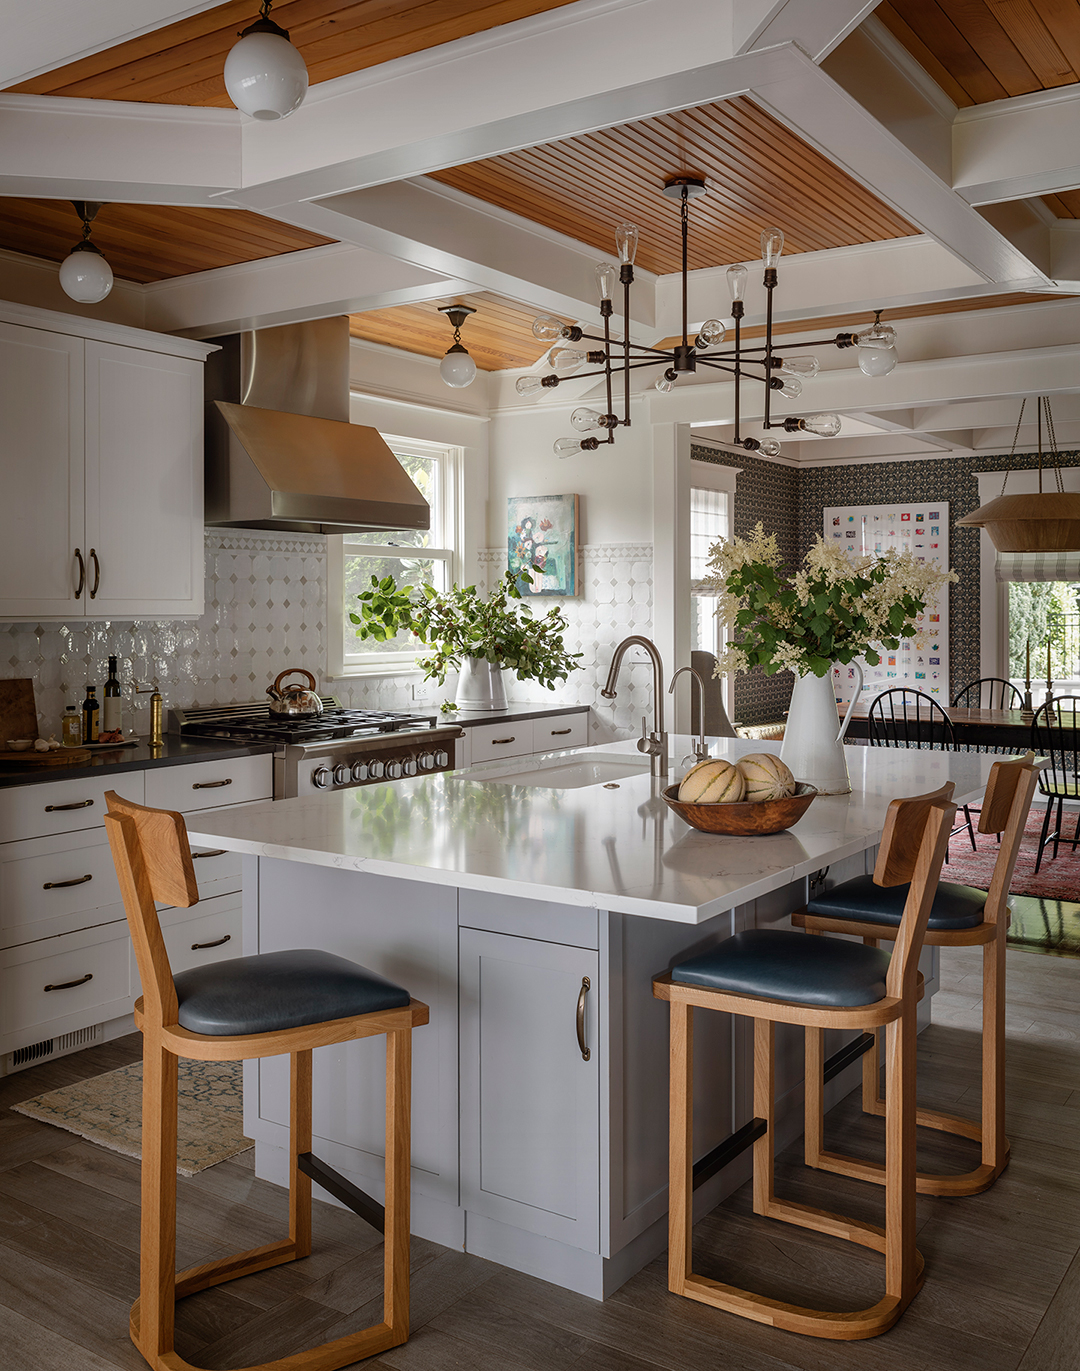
(812, 746)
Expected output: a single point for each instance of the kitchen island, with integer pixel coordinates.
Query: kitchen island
(529, 903)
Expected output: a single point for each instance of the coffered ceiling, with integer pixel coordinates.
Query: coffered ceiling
(498, 336)
(150, 242)
(983, 50)
(181, 64)
(759, 174)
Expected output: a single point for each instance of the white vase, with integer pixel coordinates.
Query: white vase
(813, 745)
(480, 686)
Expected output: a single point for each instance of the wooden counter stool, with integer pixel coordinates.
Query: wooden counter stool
(777, 976)
(961, 916)
(249, 1007)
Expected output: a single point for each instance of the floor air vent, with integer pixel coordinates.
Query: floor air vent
(52, 1047)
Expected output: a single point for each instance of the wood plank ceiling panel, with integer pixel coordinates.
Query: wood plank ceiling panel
(498, 336)
(983, 50)
(181, 64)
(857, 320)
(150, 242)
(1065, 204)
(759, 174)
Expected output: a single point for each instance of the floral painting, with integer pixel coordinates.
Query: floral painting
(542, 540)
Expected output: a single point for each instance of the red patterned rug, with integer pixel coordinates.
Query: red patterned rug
(1058, 878)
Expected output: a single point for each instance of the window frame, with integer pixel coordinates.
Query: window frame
(446, 527)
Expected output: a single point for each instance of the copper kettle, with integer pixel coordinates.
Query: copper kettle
(293, 701)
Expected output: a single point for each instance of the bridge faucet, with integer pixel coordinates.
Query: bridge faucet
(701, 752)
(655, 744)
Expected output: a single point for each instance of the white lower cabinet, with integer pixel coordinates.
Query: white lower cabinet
(530, 1100)
(522, 737)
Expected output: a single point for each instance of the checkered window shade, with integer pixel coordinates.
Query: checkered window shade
(1038, 566)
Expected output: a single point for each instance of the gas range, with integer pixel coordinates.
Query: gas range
(333, 750)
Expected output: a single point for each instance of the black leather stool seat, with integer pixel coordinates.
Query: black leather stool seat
(277, 990)
(780, 965)
(955, 906)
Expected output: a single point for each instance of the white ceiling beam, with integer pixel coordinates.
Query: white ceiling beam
(1011, 149)
(41, 37)
(52, 147)
(817, 26)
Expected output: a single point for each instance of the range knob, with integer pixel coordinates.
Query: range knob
(320, 777)
(376, 770)
(342, 774)
(442, 759)
(359, 771)
(427, 760)
(393, 771)
(409, 766)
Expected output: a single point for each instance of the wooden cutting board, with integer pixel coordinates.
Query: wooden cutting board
(61, 756)
(18, 715)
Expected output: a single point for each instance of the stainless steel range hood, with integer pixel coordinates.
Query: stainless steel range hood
(280, 451)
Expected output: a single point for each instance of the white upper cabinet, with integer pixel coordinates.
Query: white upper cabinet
(100, 470)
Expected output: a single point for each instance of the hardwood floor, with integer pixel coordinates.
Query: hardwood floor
(1002, 1286)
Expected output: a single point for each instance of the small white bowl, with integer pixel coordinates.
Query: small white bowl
(20, 744)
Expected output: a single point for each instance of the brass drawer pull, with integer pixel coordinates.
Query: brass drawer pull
(214, 852)
(77, 804)
(209, 785)
(198, 947)
(498, 741)
(70, 985)
(585, 985)
(558, 732)
(97, 574)
(61, 885)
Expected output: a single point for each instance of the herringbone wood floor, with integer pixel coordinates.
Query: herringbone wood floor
(1002, 1290)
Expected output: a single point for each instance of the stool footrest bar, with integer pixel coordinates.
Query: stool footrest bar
(847, 1054)
(371, 1211)
(728, 1150)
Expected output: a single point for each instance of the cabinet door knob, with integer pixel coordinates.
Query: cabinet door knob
(70, 985)
(60, 885)
(97, 574)
(82, 573)
(585, 985)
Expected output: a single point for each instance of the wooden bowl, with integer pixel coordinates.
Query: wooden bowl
(743, 819)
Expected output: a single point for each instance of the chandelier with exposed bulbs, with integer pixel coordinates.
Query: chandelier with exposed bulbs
(618, 358)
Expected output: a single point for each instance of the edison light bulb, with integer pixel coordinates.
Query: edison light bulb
(549, 329)
(566, 447)
(736, 279)
(566, 360)
(800, 366)
(710, 334)
(824, 425)
(665, 383)
(792, 387)
(769, 448)
(585, 419)
(528, 385)
(626, 241)
(772, 245)
(606, 276)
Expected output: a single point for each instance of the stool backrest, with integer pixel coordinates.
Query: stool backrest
(908, 718)
(913, 844)
(153, 863)
(1005, 809)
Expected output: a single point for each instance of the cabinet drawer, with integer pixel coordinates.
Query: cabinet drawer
(208, 785)
(54, 885)
(36, 810)
(91, 979)
(567, 730)
(209, 932)
(489, 742)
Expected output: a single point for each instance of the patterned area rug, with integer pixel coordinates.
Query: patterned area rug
(107, 1110)
(1058, 878)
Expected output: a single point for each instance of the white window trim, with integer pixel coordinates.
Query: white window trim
(396, 663)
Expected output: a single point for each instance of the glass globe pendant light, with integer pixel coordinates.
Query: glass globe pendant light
(84, 274)
(457, 368)
(264, 74)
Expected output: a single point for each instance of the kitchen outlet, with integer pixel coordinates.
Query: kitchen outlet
(421, 692)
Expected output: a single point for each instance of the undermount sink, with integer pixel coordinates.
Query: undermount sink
(589, 769)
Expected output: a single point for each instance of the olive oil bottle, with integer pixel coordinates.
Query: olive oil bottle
(91, 713)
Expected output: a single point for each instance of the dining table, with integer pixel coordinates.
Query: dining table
(1007, 728)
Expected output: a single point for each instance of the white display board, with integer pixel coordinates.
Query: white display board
(922, 662)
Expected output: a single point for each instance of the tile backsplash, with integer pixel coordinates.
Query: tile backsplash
(266, 610)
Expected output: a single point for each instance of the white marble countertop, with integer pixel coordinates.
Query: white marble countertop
(617, 849)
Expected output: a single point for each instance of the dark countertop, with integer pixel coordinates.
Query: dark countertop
(172, 752)
(512, 714)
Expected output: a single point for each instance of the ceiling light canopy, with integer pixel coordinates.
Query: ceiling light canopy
(84, 274)
(457, 368)
(264, 74)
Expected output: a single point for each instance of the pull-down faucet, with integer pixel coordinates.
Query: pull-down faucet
(656, 742)
(701, 752)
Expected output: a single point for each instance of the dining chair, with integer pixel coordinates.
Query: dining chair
(779, 976)
(251, 1007)
(991, 692)
(902, 717)
(961, 916)
(1054, 732)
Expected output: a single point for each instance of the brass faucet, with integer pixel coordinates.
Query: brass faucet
(655, 744)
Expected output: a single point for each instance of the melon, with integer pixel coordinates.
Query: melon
(714, 781)
(766, 777)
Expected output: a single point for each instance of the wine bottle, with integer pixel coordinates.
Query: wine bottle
(113, 704)
(91, 714)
